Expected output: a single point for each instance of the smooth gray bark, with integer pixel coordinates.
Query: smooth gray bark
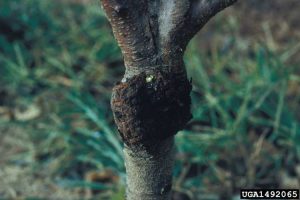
(149, 177)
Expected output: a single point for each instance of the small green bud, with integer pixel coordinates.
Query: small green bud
(149, 78)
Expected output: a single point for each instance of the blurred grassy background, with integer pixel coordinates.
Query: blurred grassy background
(59, 61)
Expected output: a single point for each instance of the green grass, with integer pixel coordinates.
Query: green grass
(57, 70)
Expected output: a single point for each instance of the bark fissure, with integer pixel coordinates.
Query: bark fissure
(152, 102)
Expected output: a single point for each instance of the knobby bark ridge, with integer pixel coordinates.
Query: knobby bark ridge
(152, 102)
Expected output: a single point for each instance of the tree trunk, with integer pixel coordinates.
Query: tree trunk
(152, 102)
(149, 108)
(150, 175)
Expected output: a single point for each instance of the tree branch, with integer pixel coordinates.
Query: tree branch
(164, 27)
(131, 28)
(172, 17)
(203, 10)
(198, 14)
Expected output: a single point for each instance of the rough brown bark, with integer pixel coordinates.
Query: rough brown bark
(152, 102)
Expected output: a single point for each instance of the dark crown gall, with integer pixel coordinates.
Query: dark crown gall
(151, 106)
